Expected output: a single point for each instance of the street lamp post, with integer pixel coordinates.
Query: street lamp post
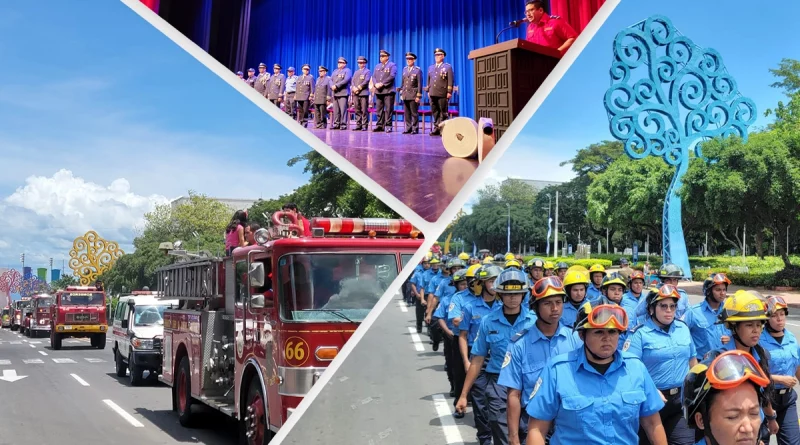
(549, 205)
(509, 228)
(555, 251)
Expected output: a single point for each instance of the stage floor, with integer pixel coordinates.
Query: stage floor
(415, 168)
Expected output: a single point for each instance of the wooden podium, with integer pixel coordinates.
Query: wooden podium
(506, 77)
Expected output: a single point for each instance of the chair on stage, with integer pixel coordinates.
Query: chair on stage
(399, 111)
(452, 106)
(425, 110)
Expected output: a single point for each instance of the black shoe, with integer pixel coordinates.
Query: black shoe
(365, 129)
(407, 132)
(388, 130)
(419, 330)
(436, 346)
(415, 132)
(435, 133)
(458, 415)
(377, 129)
(452, 393)
(357, 129)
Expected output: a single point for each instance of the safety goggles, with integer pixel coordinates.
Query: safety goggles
(732, 368)
(775, 303)
(720, 278)
(636, 275)
(541, 287)
(608, 316)
(668, 291)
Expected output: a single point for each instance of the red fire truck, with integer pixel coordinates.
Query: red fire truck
(254, 331)
(79, 311)
(38, 319)
(19, 307)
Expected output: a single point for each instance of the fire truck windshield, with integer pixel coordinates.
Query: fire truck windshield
(45, 302)
(333, 287)
(149, 315)
(82, 299)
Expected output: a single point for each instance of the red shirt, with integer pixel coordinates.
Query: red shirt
(550, 31)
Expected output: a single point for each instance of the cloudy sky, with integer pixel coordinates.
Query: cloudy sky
(573, 117)
(102, 118)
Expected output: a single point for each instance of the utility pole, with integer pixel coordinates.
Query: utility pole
(744, 242)
(608, 245)
(508, 243)
(556, 237)
(706, 247)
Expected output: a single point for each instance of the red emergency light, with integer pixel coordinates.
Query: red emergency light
(355, 226)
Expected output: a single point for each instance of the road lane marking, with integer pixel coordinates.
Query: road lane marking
(94, 360)
(449, 427)
(42, 352)
(793, 324)
(35, 342)
(32, 361)
(416, 339)
(5, 362)
(123, 414)
(32, 346)
(403, 306)
(16, 342)
(80, 380)
(63, 360)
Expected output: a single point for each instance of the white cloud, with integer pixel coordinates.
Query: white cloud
(43, 217)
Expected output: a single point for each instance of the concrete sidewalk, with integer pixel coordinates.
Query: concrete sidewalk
(791, 297)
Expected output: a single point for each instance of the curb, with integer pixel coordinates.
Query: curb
(794, 305)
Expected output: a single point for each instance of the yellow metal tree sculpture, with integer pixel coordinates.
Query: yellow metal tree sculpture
(92, 255)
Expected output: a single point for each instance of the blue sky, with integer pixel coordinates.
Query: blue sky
(750, 40)
(102, 117)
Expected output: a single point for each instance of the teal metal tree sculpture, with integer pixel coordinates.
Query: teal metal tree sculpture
(667, 95)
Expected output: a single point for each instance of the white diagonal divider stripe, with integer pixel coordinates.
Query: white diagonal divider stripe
(31, 361)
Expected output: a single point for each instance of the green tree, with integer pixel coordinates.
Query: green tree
(487, 226)
(788, 71)
(331, 192)
(63, 281)
(755, 183)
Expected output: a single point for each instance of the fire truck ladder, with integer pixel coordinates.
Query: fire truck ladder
(194, 280)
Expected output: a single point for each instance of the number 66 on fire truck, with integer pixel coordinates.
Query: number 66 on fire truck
(254, 331)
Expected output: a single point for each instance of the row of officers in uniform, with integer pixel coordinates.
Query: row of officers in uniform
(345, 88)
(546, 360)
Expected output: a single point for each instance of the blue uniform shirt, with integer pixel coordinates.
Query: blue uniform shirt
(590, 408)
(570, 314)
(666, 354)
(456, 308)
(444, 303)
(632, 300)
(445, 285)
(526, 357)
(433, 280)
(496, 332)
(593, 293)
(703, 332)
(784, 357)
(474, 311)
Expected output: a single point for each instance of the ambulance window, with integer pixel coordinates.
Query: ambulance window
(120, 307)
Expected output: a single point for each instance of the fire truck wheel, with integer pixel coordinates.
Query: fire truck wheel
(183, 393)
(253, 426)
(136, 372)
(120, 365)
(99, 341)
(55, 341)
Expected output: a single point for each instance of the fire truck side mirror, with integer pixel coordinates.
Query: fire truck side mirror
(256, 274)
(257, 301)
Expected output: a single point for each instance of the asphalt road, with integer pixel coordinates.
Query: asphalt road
(392, 390)
(73, 396)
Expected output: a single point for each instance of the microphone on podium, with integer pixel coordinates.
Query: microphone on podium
(512, 25)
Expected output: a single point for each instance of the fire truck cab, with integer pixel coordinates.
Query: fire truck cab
(19, 306)
(79, 311)
(38, 319)
(257, 329)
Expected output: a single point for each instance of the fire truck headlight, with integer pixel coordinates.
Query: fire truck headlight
(142, 343)
(261, 236)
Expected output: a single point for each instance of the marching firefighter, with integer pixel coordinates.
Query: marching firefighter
(458, 284)
(455, 314)
(430, 300)
(595, 394)
(784, 362)
(665, 346)
(721, 398)
(496, 331)
(596, 274)
(561, 270)
(477, 386)
(527, 354)
(668, 274)
(575, 284)
(536, 269)
(418, 288)
(702, 317)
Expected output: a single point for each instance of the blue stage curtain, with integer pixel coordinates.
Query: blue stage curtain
(318, 32)
(202, 27)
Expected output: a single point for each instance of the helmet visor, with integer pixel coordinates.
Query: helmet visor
(720, 278)
(732, 368)
(668, 291)
(541, 286)
(776, 303)
(608, 316)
